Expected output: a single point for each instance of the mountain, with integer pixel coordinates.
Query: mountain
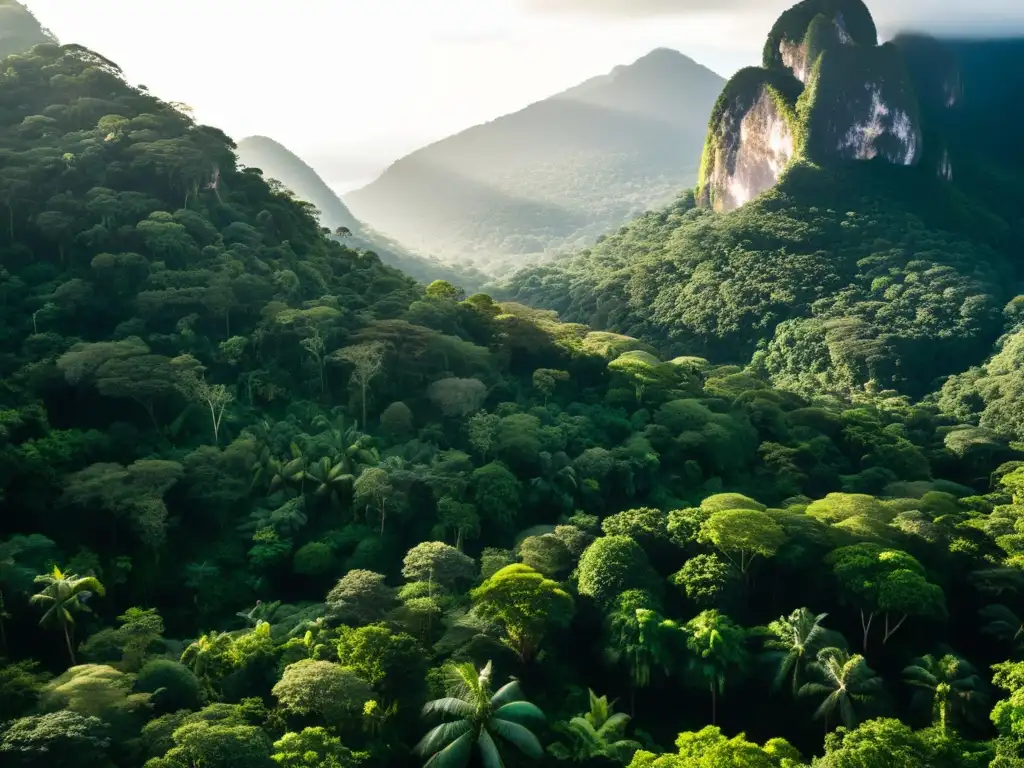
(857, 225)
(264, 498)
(19, 29)
(553, 175)
(279, 163)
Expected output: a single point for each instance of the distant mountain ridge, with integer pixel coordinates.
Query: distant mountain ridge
(279, 163)
(555, 174)
(19, 29)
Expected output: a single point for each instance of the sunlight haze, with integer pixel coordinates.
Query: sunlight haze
(382, 78)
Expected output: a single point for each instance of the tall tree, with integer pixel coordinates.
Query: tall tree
(846, 682)
(193, 384)
(949, 686)
(367, 361)
(794, 643)
(64, 594)
(524, 604)
(718, 648)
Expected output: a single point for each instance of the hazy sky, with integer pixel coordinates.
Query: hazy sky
(353, 84)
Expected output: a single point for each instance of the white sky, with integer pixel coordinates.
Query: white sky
(351, 85)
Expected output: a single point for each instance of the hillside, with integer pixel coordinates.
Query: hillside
(19, 29)
(281, 164)
(554, 175)
(845, 273)
(278, 162)
(269, 503)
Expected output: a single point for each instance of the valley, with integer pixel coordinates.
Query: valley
(688, 435)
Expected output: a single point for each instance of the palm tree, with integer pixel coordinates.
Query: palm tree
(719, 646)
(598, 733)
(63, 594)
(1003, 624)
(640, 639)
(330, 479)
(945, 684)
(843, 680)
(794, 642)
(481, 716)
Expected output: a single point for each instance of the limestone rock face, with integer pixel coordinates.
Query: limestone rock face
(758, 143)
(861, 105)
(826, 92)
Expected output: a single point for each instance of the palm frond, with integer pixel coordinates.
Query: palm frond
(507, 693)
(518, 711)
(520, 736)
(449, 706)
(488, 751)
(455, 755)
(444, 734)
(614, 722)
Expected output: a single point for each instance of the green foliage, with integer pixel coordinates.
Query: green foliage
(596, 733)
(484, 718)
(719, 651)
(65, 737)
(709, 748)
(524, 604)
(437, 562)
(172, 686)
(217, 746)
(391, 662)
(322, 689)
(612, 565)
(266, 452)
(314, 748)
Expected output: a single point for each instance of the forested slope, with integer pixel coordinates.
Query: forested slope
(19, 28)
(263, 497)
(279, 164)
(844, 275)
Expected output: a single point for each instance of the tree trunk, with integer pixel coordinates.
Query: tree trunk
(364, 407)
(67, 639)
(216, 426)
(890, 632)
(866, 626)
(150, 411)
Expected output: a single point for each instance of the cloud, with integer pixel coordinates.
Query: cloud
(635, 8)
(935, 14)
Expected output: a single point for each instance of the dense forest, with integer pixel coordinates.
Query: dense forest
(846, 276)
(267, 501)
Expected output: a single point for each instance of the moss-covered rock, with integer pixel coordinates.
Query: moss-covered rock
(789, 42)
(860, 104)
(752, 136)
(938, 83)
(827, 92)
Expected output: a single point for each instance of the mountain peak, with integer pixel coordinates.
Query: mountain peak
(663, 54)
(554, 174)
(19, 29)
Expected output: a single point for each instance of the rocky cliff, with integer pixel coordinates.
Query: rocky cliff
(826, 92)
